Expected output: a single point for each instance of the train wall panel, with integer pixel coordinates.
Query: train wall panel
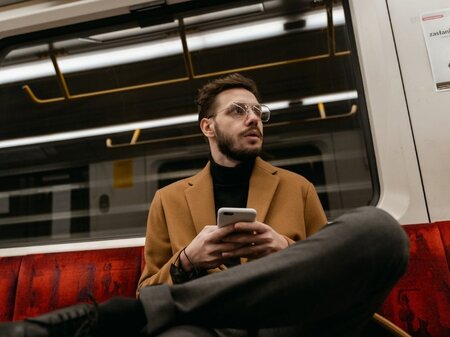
(427, 107)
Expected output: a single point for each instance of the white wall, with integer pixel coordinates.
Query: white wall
(399, 175)
(429, 109)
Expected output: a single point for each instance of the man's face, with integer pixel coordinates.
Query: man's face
(238, 138)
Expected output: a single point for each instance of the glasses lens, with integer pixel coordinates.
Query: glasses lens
(240, 110)
(256, 109)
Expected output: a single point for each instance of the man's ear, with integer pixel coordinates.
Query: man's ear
(207, 127)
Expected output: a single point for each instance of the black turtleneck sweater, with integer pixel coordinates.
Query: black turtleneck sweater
(231, 184)
(231, 188)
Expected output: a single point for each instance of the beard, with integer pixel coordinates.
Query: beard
(226, 146)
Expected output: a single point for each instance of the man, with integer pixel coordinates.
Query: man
(183, 241)
(329, 283)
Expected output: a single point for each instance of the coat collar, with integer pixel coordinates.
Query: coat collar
(263, 184)
(200, 193)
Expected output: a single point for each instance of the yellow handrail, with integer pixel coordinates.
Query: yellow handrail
(69, 96)
(189, 68)
(110, 145)
(136, 133)
(324, 116)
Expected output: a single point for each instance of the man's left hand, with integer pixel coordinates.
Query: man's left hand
(258, 238)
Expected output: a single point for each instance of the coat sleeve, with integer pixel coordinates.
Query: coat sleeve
(158, 252)
(315, 217)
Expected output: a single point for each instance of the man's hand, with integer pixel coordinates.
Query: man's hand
(256, 239)
(207, 248)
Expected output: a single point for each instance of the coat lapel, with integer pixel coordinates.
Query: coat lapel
(200, 193)
(263, 184)
(200, 198)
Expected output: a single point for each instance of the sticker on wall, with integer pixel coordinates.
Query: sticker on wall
(436, 30)
(123, 173)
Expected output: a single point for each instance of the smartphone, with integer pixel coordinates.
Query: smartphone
(230, 215)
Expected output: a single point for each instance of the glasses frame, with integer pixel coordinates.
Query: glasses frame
(247, 107)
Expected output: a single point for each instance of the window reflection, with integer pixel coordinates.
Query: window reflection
(123, 79)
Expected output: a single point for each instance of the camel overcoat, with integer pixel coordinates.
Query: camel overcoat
(283, 200)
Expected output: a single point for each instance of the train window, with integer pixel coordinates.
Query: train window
(95, 117)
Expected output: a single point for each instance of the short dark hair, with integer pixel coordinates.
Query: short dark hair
(207, 94)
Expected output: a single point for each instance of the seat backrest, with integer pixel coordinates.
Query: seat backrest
(50, 281)
(9, 273)
(419, 303)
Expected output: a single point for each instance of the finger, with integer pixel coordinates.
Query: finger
(209, 229)
(226, 247)
(245, 237)
(219, 233)
(256, 226)
(242, 239)
(249, 251)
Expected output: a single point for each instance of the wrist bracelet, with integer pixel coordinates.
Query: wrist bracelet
(187, 257)
(179, 275)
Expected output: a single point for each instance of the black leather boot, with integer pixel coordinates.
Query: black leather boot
(75, 321)
(119, 316)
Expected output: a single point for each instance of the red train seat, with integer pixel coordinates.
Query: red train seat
(34, 284)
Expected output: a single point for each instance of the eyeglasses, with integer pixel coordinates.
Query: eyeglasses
(241, 110)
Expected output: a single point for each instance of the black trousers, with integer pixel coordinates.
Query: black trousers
(328, 285)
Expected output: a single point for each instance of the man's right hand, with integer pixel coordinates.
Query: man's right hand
(205, 251)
